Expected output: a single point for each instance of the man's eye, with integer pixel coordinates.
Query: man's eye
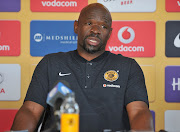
(103, 26)
(88, 23)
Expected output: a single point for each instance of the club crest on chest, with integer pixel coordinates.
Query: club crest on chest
(111, 75)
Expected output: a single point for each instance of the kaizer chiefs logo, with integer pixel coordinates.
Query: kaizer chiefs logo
(111, 76)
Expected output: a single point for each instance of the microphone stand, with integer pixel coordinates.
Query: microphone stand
(56, 125)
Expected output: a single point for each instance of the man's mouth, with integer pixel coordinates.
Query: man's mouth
(93, 41)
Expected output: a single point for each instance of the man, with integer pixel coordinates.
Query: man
(109, 88)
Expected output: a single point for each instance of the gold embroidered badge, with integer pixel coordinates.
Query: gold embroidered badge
(111, 75)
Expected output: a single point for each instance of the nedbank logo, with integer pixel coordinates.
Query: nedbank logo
(59, 3)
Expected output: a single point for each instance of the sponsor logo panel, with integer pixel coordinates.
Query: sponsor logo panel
(7, 117)
(132, 38)
(172, 84)
(172, 119)
(52, 36)
(10, 82)
(150, 79)
(10, 5)
(129, 5)
(173, 5)
(9, 38)
(172, 39)
(57, 5)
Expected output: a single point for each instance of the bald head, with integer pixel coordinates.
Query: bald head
(95, 7)
(94, 29)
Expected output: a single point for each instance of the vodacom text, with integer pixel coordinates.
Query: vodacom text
(127, 48)
(59, 3)
(4, 47)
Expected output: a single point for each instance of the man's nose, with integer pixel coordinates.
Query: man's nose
(95, 29)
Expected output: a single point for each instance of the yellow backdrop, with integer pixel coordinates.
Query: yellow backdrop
(154, 68)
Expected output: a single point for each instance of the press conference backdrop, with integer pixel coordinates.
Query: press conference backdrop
(147, 30)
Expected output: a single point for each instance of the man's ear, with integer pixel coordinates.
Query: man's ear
(76, 26)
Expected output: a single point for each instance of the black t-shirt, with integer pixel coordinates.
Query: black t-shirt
(103, 87)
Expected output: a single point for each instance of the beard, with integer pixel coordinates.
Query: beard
(91, 48)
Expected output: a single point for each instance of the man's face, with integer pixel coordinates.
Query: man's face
(93, 29)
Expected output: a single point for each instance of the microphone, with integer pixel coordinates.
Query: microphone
(55, 98)
(58, 94)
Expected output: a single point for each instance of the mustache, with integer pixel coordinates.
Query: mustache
(94, 35)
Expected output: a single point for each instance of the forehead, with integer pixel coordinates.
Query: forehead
(96, 13)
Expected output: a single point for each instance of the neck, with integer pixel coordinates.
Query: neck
(89, 56)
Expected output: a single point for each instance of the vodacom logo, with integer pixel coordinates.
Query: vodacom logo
(126, 35)
(60, 3)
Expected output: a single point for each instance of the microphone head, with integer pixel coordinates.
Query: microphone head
(59, 91)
